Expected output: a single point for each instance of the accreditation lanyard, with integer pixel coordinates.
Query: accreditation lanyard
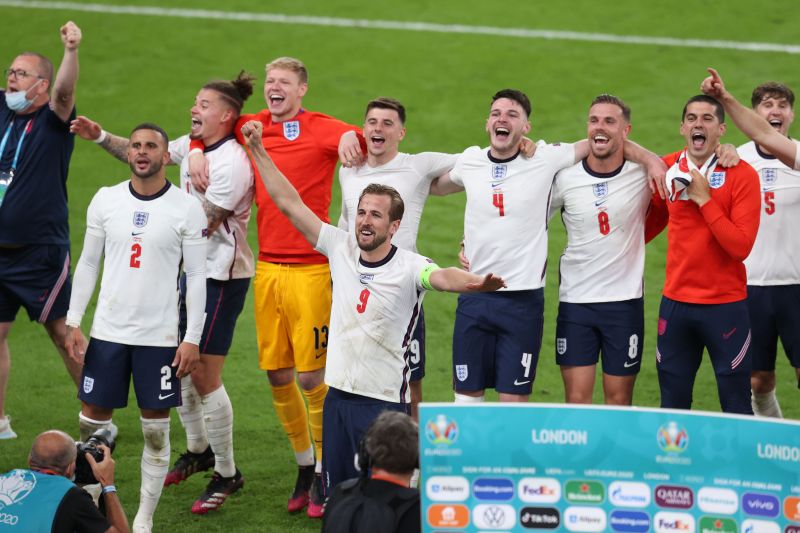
(3, 143)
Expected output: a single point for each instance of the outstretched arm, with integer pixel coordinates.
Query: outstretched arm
(456, 280)
(280, 190)
(88, 129)
(63, 100)
(751, 124)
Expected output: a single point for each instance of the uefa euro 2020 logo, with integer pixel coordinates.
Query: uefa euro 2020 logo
(441, 430)
(672, 438)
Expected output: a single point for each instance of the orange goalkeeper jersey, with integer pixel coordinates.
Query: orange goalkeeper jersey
(706, 246)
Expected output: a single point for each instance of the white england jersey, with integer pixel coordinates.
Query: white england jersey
(505, 222)
(775, 257)
(231, 187)
(375, 308)
(410, 175)
(144, 240)
(604, 215)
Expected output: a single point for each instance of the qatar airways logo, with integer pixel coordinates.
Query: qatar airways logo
(674, 496)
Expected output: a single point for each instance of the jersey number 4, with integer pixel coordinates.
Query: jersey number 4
(497, 201)
(136, 251)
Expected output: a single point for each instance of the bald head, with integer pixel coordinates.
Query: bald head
(53, 450)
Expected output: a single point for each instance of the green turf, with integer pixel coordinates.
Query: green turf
(137, 68)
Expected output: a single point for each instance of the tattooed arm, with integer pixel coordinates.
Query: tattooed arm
(216, 215)
(90, 130)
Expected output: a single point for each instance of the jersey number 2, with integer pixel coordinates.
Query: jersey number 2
(136, 251)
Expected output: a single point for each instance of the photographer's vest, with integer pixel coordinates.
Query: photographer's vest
(29, 500)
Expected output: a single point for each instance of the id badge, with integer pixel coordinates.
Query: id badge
(6, 177)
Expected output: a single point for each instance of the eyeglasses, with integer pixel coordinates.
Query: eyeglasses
(19, 74)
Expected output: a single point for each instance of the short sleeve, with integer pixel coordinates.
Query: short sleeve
(230, 181)
(559, 155)
(179, 149)
(329, 238)
(94, 214)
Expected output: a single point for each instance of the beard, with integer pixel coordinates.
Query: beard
(152, 170)
(377, 240)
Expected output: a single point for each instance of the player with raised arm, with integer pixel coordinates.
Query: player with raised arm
(773, 266)
(141, 230)
(377, 292)
(206, 411)
(292, 283)
(603, 202)
(754, 126)
(497, 337)
(713, 216)
(414, 176)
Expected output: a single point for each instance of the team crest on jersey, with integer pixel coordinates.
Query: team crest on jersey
(366, 278)
(88, 384)
(770, 176)
(140, 218)
(600, 189)
(561, 345)
(462, 371)
(291, 130)
(716, 180)
(499, 172)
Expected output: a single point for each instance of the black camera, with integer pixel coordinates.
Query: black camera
(83, 472)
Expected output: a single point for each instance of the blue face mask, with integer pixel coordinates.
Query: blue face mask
(17, 101)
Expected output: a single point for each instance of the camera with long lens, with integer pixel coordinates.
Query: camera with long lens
(83, 472)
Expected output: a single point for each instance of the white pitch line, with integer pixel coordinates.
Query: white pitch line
(523, 33)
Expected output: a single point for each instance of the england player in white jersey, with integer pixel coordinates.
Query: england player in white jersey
(377, 292)
(497, 337)
(751, 123)
(414, 176)
(146, 228)
(206, 411)
(603, 201)
(773, 266)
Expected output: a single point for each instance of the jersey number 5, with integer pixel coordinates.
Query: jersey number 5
(136, 251)
(362, 301)
(769, 202)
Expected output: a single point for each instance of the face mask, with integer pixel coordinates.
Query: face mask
(17, 101)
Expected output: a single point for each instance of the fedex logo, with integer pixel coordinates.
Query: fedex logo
(539, 490)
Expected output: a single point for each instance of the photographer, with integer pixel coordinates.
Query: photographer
(43, 499)
(381, 500)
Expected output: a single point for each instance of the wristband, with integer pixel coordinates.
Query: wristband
(109, 489)
(195, 150)
(103, 135)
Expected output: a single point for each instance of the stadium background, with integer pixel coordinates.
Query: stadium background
(137, 67)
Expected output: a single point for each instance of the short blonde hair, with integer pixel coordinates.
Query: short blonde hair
(289, 63)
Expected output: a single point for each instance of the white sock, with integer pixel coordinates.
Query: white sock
(306, 457)
(766, 404)
(87, 426)
(463, 398)
(318, 468)
(218, 415)
(155, 464)
(191, 415)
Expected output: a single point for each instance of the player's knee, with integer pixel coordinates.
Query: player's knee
(156, 437)
(280, 377)
(311, 380)
(762, 382)
(468, 398)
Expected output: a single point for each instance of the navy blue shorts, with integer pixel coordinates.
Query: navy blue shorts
(107, 371)
(37, 278)
(615, 329)
(496, 341)
(416, 349)
(224, 304)
(683, 331)
(345, 419)
(774, 312)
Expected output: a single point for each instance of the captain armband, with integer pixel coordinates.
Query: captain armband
(425, 276)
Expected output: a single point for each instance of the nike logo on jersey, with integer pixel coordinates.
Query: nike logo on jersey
(164, 397)
(495, 185)
(727, 336)
(518, 382)
(135, 233)
(629, 364)
(413, 368)
(598, 203)
(320, 354)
